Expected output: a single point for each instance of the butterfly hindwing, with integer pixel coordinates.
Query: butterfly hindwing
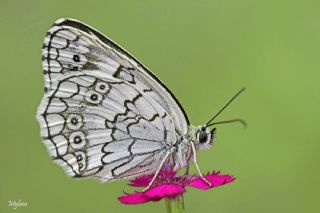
(71, 47)
(94, 125)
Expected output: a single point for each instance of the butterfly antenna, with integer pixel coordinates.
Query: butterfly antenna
(239, 120)
(225, 106)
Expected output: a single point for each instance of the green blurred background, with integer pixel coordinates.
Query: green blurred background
(204, 51)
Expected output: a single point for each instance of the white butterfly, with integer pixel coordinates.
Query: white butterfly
(106, 115)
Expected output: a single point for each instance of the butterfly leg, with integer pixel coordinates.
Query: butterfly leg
(158, 170)
(197, 166)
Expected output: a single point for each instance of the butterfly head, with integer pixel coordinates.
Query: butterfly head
(204, 137)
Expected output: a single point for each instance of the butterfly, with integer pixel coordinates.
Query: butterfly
(105, 115)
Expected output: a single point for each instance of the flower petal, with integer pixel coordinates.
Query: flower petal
(141, 181)
(169, 174)
(214, 178)
(135, 198)
(165, 190)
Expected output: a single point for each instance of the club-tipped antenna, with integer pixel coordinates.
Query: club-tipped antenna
(238, 120)
(225, 106)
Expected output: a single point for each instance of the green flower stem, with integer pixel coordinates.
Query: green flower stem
(175, 205)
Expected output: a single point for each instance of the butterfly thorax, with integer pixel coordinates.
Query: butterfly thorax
(182, 155)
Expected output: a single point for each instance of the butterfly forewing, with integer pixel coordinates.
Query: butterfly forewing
(71, 47)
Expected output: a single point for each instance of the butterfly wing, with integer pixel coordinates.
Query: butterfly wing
(96, 125)
(73, 47)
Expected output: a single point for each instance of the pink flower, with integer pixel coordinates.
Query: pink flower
(167, 184)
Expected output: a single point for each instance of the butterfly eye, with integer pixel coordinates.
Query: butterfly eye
(203, 136)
